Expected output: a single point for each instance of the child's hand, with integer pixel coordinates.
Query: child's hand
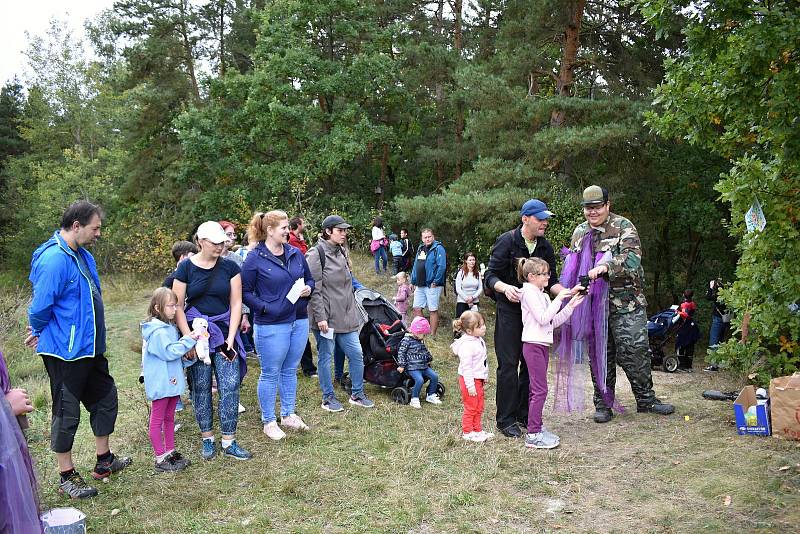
(564, 293)
(472, 392)
(576, 300)
(577, 289)
(401, 369)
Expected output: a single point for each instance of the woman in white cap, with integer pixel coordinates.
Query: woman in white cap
(210, 288)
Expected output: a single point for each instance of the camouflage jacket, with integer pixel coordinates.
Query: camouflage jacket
(625, 274)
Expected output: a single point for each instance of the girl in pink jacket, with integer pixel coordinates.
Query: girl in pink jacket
(472, 372)
(539, 318)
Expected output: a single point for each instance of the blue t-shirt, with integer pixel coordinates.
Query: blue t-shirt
(217, 298)
(396, 248)
(99, 309)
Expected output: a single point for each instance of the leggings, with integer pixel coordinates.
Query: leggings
(162, 420)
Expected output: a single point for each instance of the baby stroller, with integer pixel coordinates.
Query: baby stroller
(663, 328)
(380, 338)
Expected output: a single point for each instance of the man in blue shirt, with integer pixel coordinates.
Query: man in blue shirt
(67, 329)
(428, 275)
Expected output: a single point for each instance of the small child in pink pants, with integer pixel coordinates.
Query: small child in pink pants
(163, 362)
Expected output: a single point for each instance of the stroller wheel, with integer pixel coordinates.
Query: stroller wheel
(671, 364)
(400, 395)
(440, 389)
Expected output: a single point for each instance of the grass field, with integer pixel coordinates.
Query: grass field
(395, 469)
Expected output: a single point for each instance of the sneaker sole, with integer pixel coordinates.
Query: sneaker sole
(235, 457)
(541, 446)
(356, 403)
(75, 497)
(332, 410)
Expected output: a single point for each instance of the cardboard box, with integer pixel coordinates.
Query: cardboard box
(760, 425)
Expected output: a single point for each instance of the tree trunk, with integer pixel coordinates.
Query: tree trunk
(188, 50)
(439, 91)
(457, 40)
(221, 38)
(568, 57)
(382, 179)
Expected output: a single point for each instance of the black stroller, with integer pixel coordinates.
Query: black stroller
(380, 338)
(666, 326)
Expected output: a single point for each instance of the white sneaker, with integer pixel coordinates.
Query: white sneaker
(241, 408)
(479, 437)
(273, 431)
(414, 403)
(294, 422)
(433, 399)
(467, 436)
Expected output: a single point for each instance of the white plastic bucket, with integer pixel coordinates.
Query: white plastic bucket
(64, 521)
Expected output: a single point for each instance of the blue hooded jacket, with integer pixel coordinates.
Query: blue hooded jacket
(266, 282)
(61, 313)
(435, 266)
(162, 363)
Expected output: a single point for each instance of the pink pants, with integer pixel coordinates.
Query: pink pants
(162, 417)
(536, 357)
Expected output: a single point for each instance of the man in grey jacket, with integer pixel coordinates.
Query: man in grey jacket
(333, 314)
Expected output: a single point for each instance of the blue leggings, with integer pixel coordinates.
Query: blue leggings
(227, 374)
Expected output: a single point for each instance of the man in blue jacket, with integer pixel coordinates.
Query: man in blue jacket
(428, 275)
(67, 328)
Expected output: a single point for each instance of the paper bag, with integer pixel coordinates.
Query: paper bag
(784, 395)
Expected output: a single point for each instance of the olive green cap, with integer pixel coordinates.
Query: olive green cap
(594, 194)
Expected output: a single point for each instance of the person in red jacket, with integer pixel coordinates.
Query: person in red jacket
(296, 239)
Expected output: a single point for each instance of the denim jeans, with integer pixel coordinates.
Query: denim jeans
(716, 331)
(350, 345)
(279, 347)
(419, 376)
(227, 374)
(381, 255)
(338, 363)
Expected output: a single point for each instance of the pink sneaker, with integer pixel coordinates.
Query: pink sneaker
(273, 431)
(294, 422)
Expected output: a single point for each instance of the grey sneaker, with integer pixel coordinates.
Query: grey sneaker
(540, 441)
(330, 404)
(76, 488)
(361, 400)
(550, 436)
(108, 467)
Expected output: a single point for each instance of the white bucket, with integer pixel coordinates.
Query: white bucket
(64, 521)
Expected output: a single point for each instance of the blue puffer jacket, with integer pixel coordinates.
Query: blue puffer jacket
(266, 282)
(61, 313)
(435, 266)
(162, 363)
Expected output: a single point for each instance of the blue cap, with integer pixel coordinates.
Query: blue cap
(536, 208)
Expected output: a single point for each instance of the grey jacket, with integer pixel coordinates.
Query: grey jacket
(333, 299)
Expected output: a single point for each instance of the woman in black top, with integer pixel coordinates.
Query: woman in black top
(211, 288)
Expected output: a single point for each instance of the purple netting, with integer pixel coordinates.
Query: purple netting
(584, 335)
(19, 503)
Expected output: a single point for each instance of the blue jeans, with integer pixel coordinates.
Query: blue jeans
(350, 345)
(227, 374)
(338, 363)
(381, 255)
(419, 376)
(717, 331)
(279, 348)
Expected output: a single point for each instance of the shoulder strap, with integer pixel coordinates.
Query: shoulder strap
(211, 279)
(321, 254)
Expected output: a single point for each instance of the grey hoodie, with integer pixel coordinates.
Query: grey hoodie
(333, 299)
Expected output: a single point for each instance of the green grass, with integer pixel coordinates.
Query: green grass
(397, 469)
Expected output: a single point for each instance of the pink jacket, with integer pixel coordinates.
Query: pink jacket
(540, 316)
(472, 364)
(401, 298)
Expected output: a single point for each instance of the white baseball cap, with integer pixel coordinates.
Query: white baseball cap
(212, 231)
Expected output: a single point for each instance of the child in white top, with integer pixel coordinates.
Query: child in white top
(473, 372)
(539, 317)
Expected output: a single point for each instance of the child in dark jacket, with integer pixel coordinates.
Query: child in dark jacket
(415, 358)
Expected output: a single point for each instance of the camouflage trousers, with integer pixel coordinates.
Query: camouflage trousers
(628, 346)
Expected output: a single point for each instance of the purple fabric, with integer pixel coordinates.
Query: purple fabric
(19, 502)
(584, 336)
(216, 339)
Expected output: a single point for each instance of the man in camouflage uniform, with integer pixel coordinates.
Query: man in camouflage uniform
(627, 318)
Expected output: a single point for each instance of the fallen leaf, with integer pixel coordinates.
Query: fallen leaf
(558, 526)
(552, 482)
(784, 468)
(685, 417)
(728, 500)
(676, 462)
(115, 511)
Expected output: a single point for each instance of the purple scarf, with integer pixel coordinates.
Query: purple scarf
(585, 335)
(216, 339)
(19, 502)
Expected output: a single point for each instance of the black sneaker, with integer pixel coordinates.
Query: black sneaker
(177, 458)
(76, 488)
(511, 431)
(110, 466)
(603, 415)
(168, 465)
(657, 407)
(711, 368)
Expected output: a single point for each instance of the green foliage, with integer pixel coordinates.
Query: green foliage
(734, 94)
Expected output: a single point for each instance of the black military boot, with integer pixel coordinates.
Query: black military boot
(603, 415)
(657, 406)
